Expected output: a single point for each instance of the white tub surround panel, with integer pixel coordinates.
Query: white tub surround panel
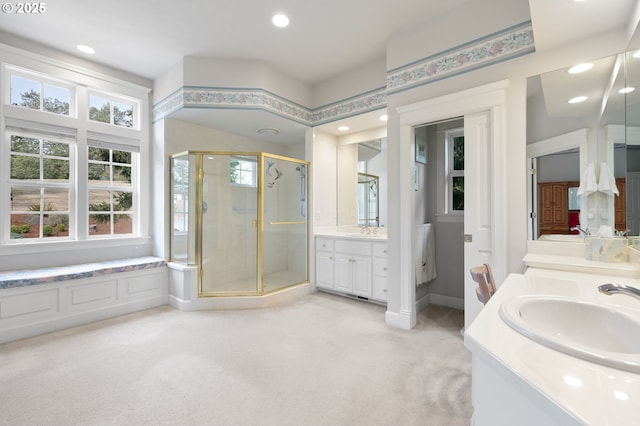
(518, 381)
(183, 293)
(45, 300)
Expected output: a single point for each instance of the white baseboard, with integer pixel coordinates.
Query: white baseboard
(399, 319)
(448, 301)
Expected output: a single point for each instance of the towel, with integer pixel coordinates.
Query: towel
(606, 181)
(588, 183)
(425, 263)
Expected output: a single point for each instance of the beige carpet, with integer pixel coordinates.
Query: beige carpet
(321, 360)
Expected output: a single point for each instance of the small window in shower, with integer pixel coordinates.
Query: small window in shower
(243, 171)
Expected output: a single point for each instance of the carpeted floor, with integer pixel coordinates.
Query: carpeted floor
(321, 360)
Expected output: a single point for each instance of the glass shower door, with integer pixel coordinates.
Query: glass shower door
(229, 219)
(285, 222)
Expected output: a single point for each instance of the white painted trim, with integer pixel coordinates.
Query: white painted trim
(491, 97)
(448, 301)
(400, 320)
(423, 302)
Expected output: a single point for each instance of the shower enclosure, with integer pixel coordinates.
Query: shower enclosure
(242, 219)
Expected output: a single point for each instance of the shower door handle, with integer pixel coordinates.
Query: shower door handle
(287, 223)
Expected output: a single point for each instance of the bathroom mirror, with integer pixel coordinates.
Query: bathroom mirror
(570, 136)
(353, 161)
(631, 151)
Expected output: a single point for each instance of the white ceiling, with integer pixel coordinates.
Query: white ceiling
(325, 38)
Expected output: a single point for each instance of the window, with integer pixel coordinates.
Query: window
(110, 186)
(243, 171)
(105, 109)
(70, 170)
(455, 169)
(39, 94)
(39, 187)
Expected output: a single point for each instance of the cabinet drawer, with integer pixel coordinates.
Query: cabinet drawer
(380, 267)
(353, 247)
(324, 244)
(380, 249)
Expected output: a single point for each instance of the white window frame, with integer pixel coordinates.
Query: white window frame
(81, 82)
(450, 136)
(135, 217)
(253, 171)
(41, 184)
(42, 79)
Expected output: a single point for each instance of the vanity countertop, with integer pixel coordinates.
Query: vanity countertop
(378, 234)
(587, 392)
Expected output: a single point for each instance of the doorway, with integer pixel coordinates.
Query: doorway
(439, 205)
(483, 109)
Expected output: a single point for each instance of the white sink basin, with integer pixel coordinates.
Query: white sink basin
(596, 333)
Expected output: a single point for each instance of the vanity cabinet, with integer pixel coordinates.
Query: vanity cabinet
(352, 267)
(324, 263)
(353, 274)
(380, 277)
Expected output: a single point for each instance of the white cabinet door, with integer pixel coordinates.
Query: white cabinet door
(361, 267)
(379, 282)
(344, 273)
(324, 269)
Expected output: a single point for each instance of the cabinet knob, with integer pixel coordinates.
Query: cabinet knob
(385, 290)
(384, 269)
(384, 251)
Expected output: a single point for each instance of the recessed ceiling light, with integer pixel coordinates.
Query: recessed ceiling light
(580, 68)
(268, 131)
(280, 20)
(626, 90)
(577, 99)
(384, 117)
(343, 128)
(86, 49)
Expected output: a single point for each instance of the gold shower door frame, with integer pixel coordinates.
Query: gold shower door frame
(259, 221)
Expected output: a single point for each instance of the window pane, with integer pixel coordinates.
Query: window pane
(25, 226)
(23, 197)
(23, 167)
(122, 114)
(57, 198)
(122, 175)
(458, 193)
(55, 149)
(99, 109)
(123, 224)
(99, 224)
(57, 170)
(122, 201)
(122, 157)
(56, 99)
(25, 92)
(25, 145)
(99, 173)
(99, 201)
(458, 153)
(98, 154)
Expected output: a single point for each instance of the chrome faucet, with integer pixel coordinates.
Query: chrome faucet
(612, 288)
(580, 230)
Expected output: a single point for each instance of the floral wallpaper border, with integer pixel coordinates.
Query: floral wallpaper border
(507, 44)
(498, 47)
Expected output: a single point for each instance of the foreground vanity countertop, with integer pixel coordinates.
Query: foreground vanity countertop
(567, 389)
